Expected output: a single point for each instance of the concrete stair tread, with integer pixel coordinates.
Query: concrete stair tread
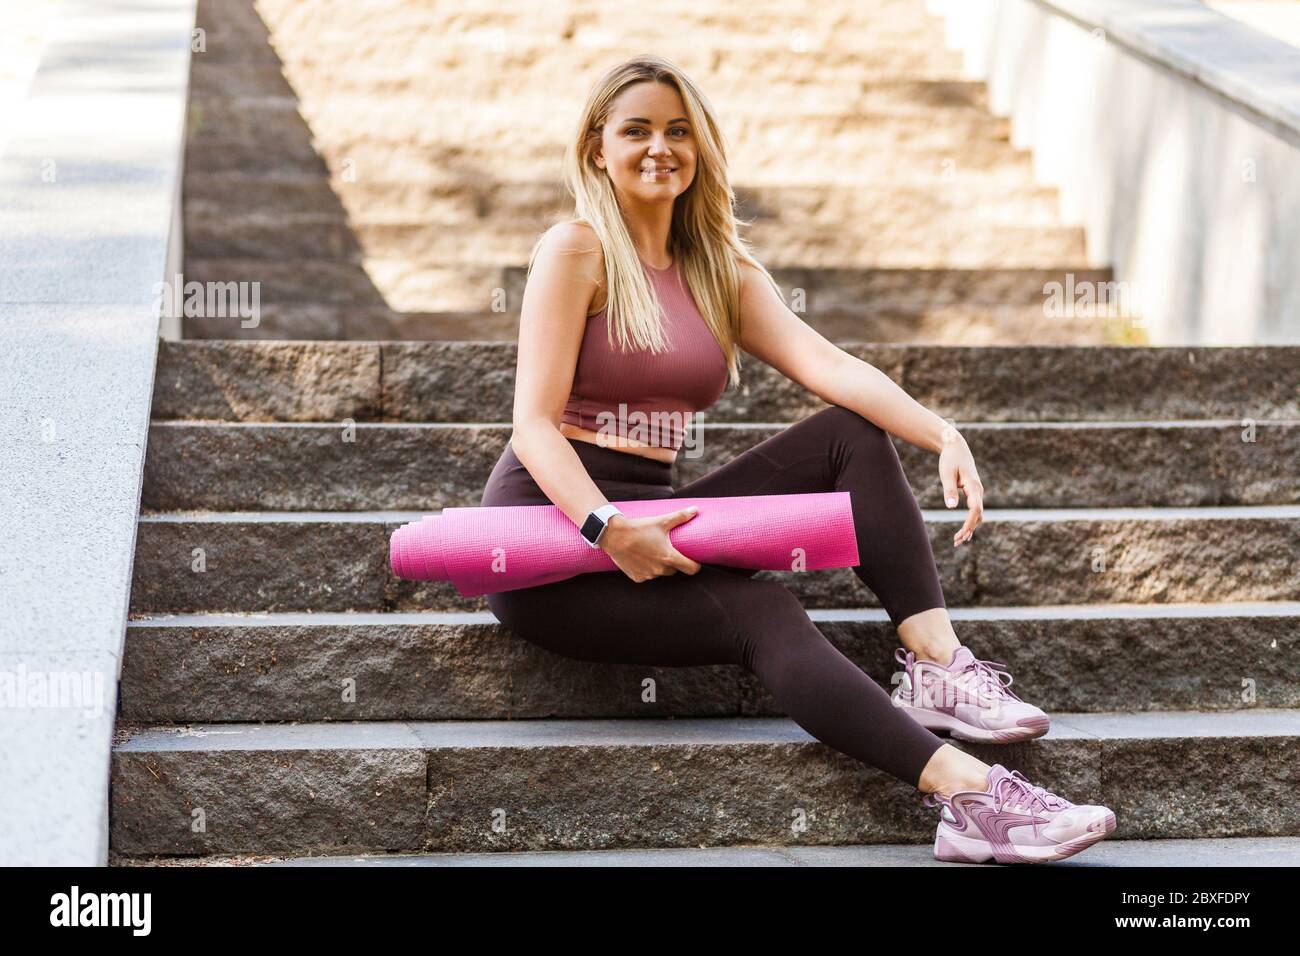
(967, 424)
(419, 664)
(656, 732)
(338, 560)
(406, 260)
(299, 379)
(392, 204)
(1207, 512)
(727, 90)
(1044, 612)
(303, 187)
(1228, 851)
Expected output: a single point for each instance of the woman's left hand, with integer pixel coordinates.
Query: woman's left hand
(957, 471)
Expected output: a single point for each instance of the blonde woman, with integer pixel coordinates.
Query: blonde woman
(633, 317)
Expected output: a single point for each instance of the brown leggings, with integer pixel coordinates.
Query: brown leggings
(723, 615)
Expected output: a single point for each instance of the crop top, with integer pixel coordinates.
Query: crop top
(658, 390)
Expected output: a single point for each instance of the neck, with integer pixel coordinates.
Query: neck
(650, 232)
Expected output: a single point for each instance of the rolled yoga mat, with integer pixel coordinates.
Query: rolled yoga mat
(502, 548)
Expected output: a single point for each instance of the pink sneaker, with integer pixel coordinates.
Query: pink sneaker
(1014, 822)
(967, 698)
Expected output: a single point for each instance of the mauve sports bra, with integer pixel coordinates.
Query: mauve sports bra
(659, 391)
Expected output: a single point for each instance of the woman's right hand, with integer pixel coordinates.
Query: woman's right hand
(641, 546)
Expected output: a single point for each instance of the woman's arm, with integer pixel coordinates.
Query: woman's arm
(774, 334)
(553, 318)
(771, 332)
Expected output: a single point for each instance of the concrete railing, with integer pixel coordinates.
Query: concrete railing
(1173, 134)
(89, 183)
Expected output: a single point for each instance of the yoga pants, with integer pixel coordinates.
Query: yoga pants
(723, 615)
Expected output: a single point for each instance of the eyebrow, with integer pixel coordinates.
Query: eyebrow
(642, 119)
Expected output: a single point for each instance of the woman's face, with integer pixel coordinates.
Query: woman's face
(647, 130)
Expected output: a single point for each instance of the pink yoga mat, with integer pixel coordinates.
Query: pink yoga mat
(503, 548)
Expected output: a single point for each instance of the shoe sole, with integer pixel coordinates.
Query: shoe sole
(933, 720)
(950, 847)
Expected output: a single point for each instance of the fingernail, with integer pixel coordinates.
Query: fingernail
(951, 501)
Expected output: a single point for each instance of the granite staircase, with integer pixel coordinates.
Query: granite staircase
(383, 175)
(283, 693)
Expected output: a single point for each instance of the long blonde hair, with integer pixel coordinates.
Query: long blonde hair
(703, 240)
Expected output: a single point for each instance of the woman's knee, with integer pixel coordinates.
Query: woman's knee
(856, 427)
(852, 429)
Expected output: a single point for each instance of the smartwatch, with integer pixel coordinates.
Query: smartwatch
(596, 523)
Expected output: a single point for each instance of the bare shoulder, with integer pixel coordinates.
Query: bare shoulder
(575, 236)
(581, 258)
(749, 274)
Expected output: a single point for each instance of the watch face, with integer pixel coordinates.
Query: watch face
(591, 528)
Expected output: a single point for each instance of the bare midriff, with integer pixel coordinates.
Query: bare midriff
(618, 443)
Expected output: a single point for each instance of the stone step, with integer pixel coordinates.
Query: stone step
(568, 64)
(352, 787)
(456, 120)
(1233, 851)
(468, 382)
(795, 164)
(998, 195)
(225, 204)
(478, 16)
(351, 466)
(893, 322)
(467, 666)
(909, 239)
(231, 139)
(941, 325)
(730, 92)
(882, 49)
(338, 561)
(398, 95)
(875, 291)
(284, 127)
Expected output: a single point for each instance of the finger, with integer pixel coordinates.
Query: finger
(974, 515)
(681, 561)
(673, 518)
(949, 487)
(975, 501)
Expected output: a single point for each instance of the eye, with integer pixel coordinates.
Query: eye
(637, 129)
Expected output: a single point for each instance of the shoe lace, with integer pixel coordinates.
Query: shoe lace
(988, 679)
(1016, 790)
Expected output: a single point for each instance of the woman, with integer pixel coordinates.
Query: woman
(631, 322)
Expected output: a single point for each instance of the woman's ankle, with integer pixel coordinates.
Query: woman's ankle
(947, 789)
(952, 771)
(938, 653)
